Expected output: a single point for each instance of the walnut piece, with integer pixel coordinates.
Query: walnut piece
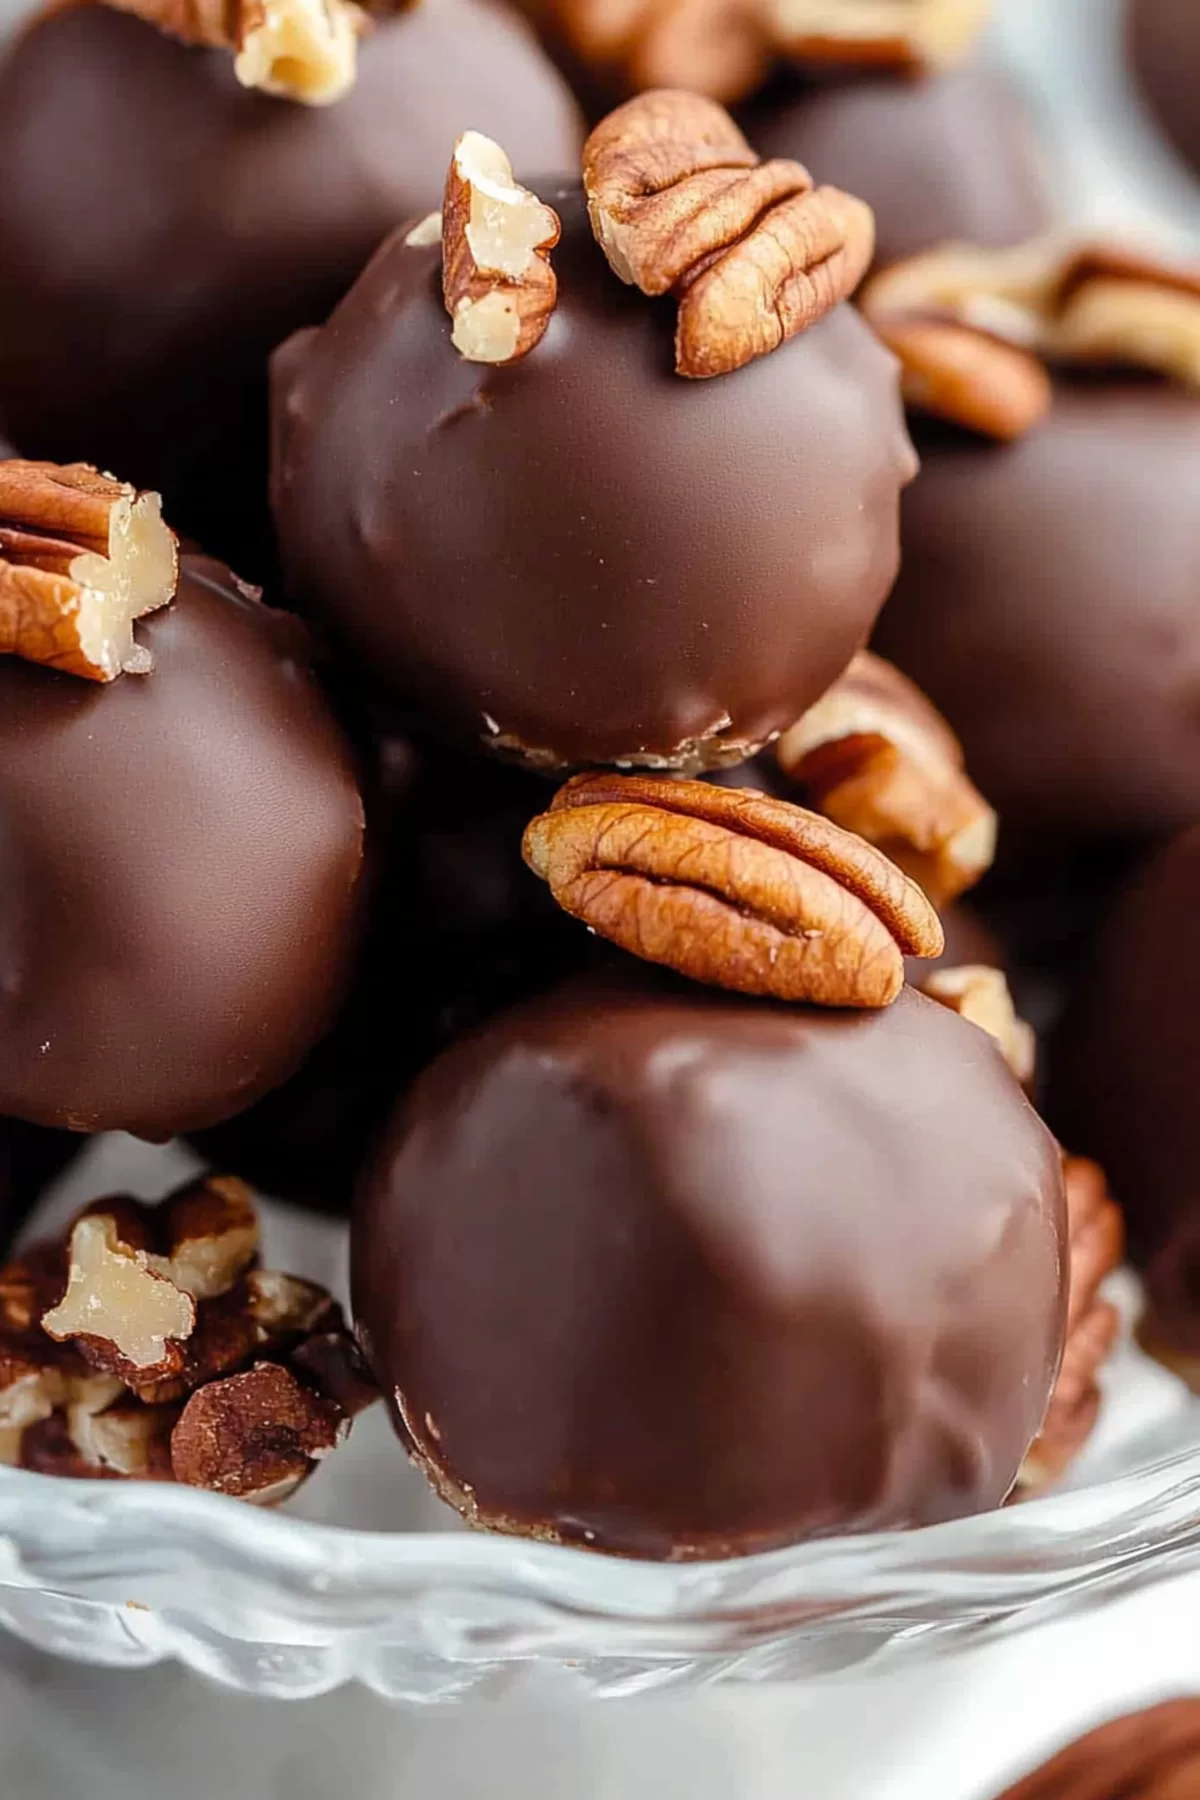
(875, 757)
(892, 34)
(974, 329)
(116, 1300)
(255, 1435)
(81, 557)
(497, 281)
(681, 204)
(981, 994)
(732, 888)
(303, 50)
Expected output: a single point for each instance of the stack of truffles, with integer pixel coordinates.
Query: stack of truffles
(545, 874)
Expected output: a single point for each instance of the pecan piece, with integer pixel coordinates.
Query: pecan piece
(916, 35)
(875, 757)
(955, 372)
(256, 1435)
(681, 204)
(299, 49)
(122, 1314)
(981, 994)
(1150, 1755)
(81, 557)
(497, 281)
(732, 888)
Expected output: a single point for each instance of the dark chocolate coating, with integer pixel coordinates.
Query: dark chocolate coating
(951, 156)
(1164, 48)
(582, 556)
(179, 874)
(1049, 605)
(1124, 1067)
(676, 1274)
(162, 229)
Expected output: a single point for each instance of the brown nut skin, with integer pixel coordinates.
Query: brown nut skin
(215, 222)
(952, 156)
(1151, 1755)
(1164, 49)
(584, 516)
(181, 884)
(675, 1274)
(1047, 606)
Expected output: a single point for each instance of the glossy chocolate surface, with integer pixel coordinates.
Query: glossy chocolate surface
(1164, 47)
(162, 228)
(180, 863)
(582, 556)
(673, 1274)
(1048, 606)
(951, 156)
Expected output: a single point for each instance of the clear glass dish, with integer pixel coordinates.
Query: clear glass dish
(366, 1576)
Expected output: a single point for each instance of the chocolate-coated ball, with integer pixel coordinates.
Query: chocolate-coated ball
(180, 875)
(582, 557)
(162, 228)
(952, 156)
(1047, 604)
(674, 1274)
(1164, 45)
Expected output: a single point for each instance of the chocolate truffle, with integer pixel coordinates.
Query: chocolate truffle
(1047, 606)
(179, 890)
(676, 1275)
(949, 156)
(144, 284)
(582, 557)
(1123, 1071)
(1164, 45)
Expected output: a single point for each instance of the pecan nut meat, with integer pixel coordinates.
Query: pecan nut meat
(304, 50)
(917, 35)
(732, 888)
(981, 994)
(681, 204)
(497, 281)
(81, 557)
(875, 757)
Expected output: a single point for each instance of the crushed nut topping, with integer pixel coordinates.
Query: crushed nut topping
(496, 238)
(875, 757)
(981, 994)
(681, 204)
(115, 1298)
(81, 557)
(975, 329)
(732, 888)
(304, 50)
(255, 1435)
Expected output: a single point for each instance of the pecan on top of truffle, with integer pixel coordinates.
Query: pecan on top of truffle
(680, 204)
(496, 237)
(975, 329)
(81, 557)
(303, 50)
(732, 888)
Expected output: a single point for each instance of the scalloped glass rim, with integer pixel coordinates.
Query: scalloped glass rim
(131, 1573)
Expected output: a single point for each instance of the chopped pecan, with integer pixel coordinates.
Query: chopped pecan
(875, 757)
(265, 1314)
(300, 49)
(974, 329)
(681, 204)
(892, 34)
(1151, 1755)
(81, 557)
(732, 888)
(255, 1435)
(981, 994)
(1096, 1234)
(123, 1316)
(497, 281)
(211, 1235)
(127, 1438)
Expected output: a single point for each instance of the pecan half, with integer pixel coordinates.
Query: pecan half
(681, 204)
(256, 1436)
(1151, 1755)
(299, 49)
(497, 281)
(981, 994)
(1096, 1232)
(974, 329)
(732, 888)
(892, 34)
(875, 757)
(81, 557)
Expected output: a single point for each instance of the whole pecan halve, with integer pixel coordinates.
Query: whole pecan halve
(1151, 1755)
(732, 888)
(681, 204)
(878, 759)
